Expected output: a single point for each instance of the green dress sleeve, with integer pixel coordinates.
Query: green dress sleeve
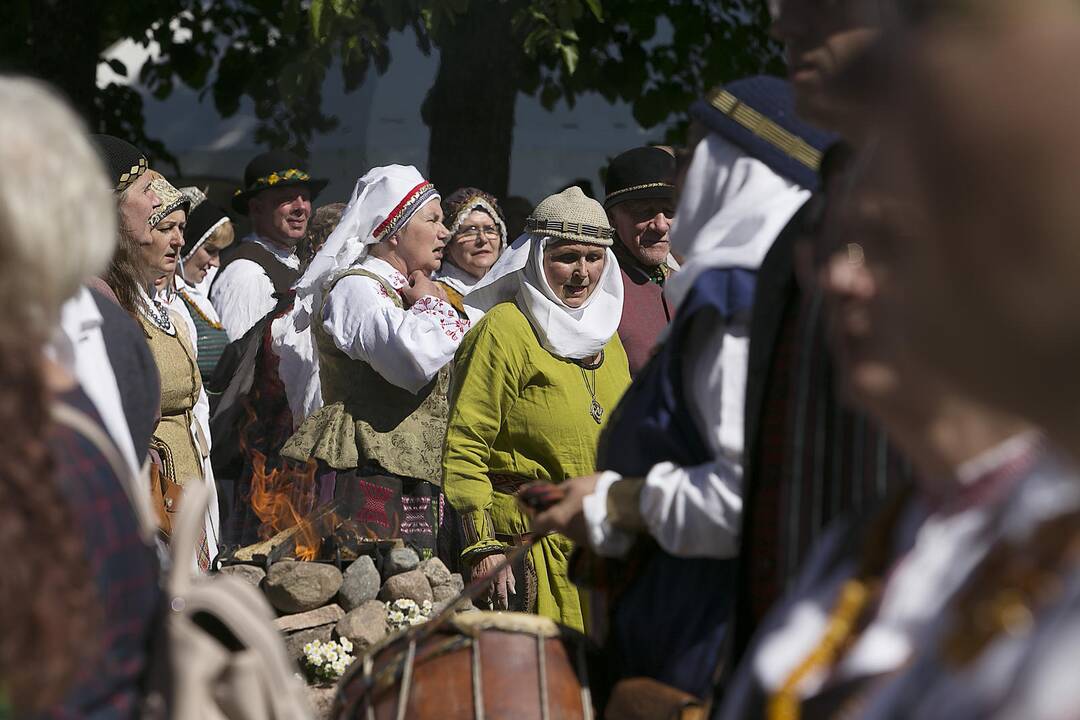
(487, 370)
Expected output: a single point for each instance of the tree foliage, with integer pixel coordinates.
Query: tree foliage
(277, 53)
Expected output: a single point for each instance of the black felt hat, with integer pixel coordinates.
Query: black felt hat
(640, 173)
(276, 168)
(124, 162)
(758, 115)
(202, 221)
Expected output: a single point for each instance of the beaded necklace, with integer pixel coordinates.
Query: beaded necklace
(192, 305)
(156, 313)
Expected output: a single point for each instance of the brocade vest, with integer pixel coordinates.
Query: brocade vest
(369, 420)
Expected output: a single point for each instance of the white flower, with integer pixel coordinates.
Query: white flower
(346, 643)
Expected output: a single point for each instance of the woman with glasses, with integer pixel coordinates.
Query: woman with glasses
(478, 237)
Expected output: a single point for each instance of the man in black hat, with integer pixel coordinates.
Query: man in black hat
(277, 196)
(640, 203)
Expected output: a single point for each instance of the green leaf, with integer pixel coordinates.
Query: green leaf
(597, 10)
(569, 56)
(316, 14)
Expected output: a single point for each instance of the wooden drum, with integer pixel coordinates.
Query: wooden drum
(474, 666)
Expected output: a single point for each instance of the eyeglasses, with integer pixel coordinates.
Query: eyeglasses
(472, 232)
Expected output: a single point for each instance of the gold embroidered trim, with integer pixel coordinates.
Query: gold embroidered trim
(473, 203)
(786, 142)
(644, 186)
(126, 179)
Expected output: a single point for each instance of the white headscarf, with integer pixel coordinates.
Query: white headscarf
(382, 202)
(732, 208)
(573, 333)
(456, 278)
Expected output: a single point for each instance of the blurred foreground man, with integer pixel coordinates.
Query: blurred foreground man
(980, 135)
(809, 458)
(874, 587)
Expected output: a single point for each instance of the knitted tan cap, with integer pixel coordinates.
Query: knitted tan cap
(570, 215)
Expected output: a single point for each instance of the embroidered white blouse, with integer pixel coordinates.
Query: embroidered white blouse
(408, 347)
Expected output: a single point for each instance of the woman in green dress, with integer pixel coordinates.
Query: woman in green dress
(533, 381)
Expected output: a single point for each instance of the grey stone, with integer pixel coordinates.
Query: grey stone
(462, 606)
(400, 560)
(248, 573)
(458, 582)
(412, 585)
(436, 573)
(361, 584)
(314, 618)
(442, 593)
(321, 700)
(295, 643)
(365, 626)
(294, 587)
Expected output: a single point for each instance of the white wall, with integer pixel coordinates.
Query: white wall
(380, 123)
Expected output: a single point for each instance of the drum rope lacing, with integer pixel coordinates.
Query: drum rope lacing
(406, 681)
(477, 680)
(541, 664)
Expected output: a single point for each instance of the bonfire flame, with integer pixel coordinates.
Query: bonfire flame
(281, 498)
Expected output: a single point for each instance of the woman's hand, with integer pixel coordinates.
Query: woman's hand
(419, 286)
(503, 585)
(568, 516)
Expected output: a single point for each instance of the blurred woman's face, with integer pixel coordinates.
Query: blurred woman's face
(573, 271)
(161, 255)
(200, 262)
(476, 245)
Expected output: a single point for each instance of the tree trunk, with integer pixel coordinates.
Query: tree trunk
(63, 49)
(470, 108)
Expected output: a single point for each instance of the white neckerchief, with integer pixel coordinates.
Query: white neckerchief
(573, 333)
(730, 212)
(456, 278)
(286, 257)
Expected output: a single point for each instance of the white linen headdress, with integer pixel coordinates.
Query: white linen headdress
(732, 208)
(382, 202)
(573, 333)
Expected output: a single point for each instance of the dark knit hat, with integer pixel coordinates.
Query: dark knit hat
(638, 174)
(201, 224)
(758, 115)
(276, 168)
(124, 161)
(458, 204)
